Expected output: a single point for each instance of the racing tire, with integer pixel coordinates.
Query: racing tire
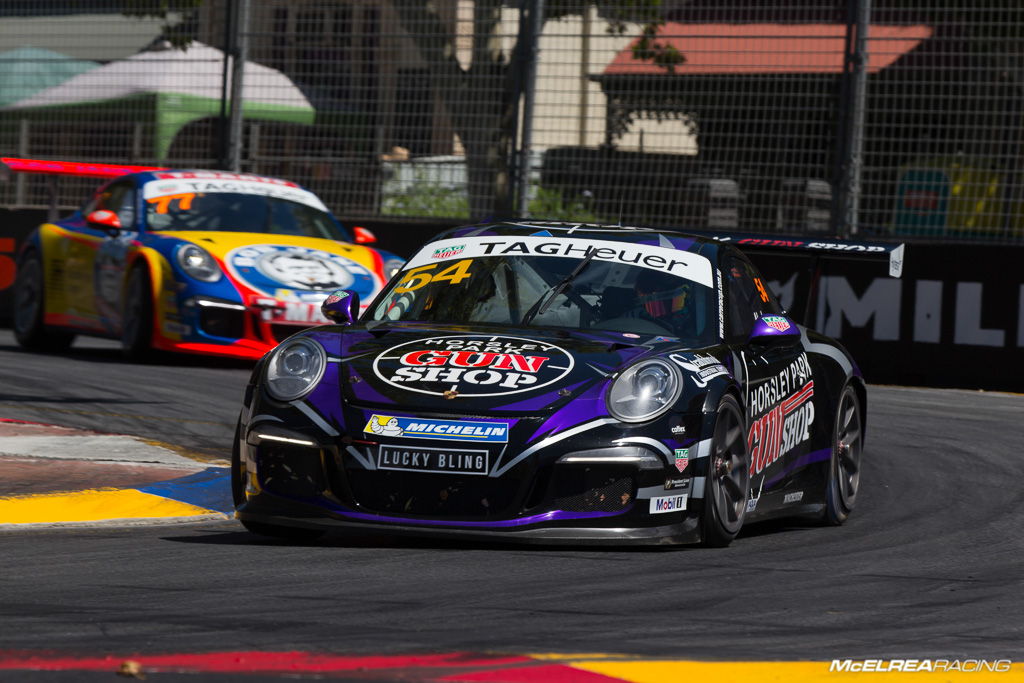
(727, 484)
(237, 475)
(845, 464)
(292, 534)
(137, 317)
(29, 302)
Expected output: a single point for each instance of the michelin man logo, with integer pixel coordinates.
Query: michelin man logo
(388, 428)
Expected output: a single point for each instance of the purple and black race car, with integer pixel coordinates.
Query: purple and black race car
(550, 382)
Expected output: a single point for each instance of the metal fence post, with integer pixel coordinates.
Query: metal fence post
(536, 19)
(238, 61)
(845, 216)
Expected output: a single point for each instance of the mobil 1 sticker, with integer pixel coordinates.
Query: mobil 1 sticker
(473, 365)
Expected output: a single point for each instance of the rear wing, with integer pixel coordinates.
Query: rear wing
(48, 167)
(818, 250)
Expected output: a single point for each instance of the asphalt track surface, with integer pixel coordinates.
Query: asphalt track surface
(929, 565)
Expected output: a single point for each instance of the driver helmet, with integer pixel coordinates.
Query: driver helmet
(662, 295)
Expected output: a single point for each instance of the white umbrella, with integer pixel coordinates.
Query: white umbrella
(188, 85)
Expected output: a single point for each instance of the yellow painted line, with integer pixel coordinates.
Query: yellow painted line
(92, 506)
(805, 672)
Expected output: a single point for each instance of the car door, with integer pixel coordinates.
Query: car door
(777, 381)
(107, 270)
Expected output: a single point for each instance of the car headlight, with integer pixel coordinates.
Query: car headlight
(198, 263)
(294, 369)
(392, 266)
(644, 391)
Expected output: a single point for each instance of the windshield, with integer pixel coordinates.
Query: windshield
(538, 289)
(236, 204)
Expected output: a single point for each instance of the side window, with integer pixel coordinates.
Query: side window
(749, 296)
(119, 198)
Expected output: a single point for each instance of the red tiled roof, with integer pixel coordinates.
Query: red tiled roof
(770, 48)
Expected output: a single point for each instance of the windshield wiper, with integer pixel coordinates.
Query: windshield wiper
(546, 299)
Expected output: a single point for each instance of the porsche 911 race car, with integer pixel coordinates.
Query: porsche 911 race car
(192, 261)
(554, 383)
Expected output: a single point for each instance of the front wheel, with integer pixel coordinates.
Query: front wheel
(728, 478)
(29, 302)
(844, 465)
(285, 533)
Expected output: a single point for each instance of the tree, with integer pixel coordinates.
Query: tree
(482, 98)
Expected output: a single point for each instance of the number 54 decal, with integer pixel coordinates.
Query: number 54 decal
(423, 276)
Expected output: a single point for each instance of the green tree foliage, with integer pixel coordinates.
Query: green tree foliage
(482, 98)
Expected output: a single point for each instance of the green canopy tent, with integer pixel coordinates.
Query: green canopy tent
(164, 90)
(25, 71)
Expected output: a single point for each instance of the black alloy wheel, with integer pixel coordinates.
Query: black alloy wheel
(727, 486)
(845, 463)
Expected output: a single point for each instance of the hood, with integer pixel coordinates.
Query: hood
(289, 266)
(453, 369)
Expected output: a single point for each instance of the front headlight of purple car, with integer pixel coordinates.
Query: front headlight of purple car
(644, 391)
(295, 368)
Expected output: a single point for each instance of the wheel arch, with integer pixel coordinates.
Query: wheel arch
(861, 390)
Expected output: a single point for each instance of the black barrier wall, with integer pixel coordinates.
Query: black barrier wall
(955, 318)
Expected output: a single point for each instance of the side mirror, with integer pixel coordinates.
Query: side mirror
(770, 329)
(363, 235)
(341, 306)
(104, 219)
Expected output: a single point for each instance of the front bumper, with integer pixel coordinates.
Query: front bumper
(602, 495)
(218, 327)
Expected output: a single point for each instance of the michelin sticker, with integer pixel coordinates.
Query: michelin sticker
(444, 430)
(473, 365)
(271, 268)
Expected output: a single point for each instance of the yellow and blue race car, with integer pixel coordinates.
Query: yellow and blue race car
(192, 261)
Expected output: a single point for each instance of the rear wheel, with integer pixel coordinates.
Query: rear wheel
(844, 466)
(728, 479)
(29, 303)
(137, 316)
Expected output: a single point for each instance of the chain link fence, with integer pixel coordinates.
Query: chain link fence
(862, 118)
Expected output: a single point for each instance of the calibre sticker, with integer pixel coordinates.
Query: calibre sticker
(702, 368)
